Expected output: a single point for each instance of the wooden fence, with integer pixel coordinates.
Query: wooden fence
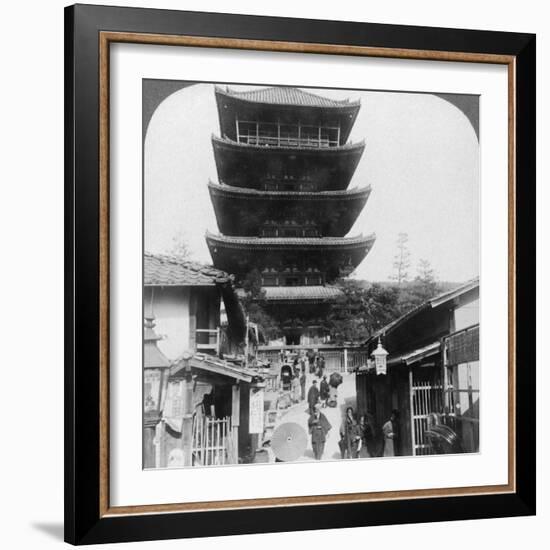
(212, 441)
(336, 360)
(426, 399)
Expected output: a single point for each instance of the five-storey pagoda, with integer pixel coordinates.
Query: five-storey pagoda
(282, 203)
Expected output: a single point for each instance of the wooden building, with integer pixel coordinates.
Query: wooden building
(220, 427)
(282, 203)
(432, 369)
(187, 300)
(196, 404)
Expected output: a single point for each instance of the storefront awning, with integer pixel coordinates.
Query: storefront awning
(416, 355)
(214, 365)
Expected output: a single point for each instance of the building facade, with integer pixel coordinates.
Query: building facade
(432, 373)
(195, 403)
(282, 202)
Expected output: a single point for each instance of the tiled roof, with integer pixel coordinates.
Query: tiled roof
(163, 270)
(436, 301)
(309, 242)
(287, 95)
(344, 194)
(291, 293)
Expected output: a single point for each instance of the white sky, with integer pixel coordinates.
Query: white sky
(421, 159)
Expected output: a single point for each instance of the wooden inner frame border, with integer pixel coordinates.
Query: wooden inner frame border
(105, 39)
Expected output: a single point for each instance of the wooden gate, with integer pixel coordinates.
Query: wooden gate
(426, 399)
(212, 441)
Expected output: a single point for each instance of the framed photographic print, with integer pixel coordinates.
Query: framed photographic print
(300, 283)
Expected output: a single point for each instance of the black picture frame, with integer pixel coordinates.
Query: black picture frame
(84, 522)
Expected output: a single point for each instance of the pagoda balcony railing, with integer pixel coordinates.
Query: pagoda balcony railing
(295, 232)
(275, 134)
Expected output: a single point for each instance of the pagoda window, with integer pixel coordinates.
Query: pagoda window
(277, 134)
(270, 280)
(294, 280)
(269, 231)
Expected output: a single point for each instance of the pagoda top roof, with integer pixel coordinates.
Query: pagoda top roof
(287, 95)
(282, 242)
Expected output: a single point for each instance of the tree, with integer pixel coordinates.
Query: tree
(426, 284)
(180, 248)
(360, 310)
(402, 259)
(422, 288)
(254, 305)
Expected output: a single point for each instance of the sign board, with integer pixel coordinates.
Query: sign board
(256, 411)
(463, 347)
(151, 390)
(173, 406)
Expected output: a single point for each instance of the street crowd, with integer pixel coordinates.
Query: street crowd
(359, 438)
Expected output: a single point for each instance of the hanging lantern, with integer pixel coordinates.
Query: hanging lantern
(380, 362)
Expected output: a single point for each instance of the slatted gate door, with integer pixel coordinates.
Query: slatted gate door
(212, 443)
(426, 399)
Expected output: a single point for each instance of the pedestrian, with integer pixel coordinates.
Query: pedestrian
(296, 367)
(350, 435)
(368, 436)
(295, 385)
(313, 397)
(311, 360)
(390, 433)
(303, 364)
(319, 427)
(303, 385)
(324, 391)
(321, 365)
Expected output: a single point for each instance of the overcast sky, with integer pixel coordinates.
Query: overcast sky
(421, 159)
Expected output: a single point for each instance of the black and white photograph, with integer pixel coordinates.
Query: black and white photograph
(311, 274)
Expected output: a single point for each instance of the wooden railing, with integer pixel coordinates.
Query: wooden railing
(208, 340)
(276, 134)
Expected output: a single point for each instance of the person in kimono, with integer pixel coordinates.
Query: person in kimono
(313, 397)
(350, 435)
(319, 427)
(368, 436)
(390, 433)
(303, 385)
(324, 391)
(295, 386)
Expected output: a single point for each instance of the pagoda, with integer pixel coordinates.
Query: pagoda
(282, 202)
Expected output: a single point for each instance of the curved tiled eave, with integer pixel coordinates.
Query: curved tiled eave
(335, 257)
(243, 165)
(277, 243)
(243, 211)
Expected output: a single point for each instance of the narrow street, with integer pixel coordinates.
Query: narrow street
(299, 414)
